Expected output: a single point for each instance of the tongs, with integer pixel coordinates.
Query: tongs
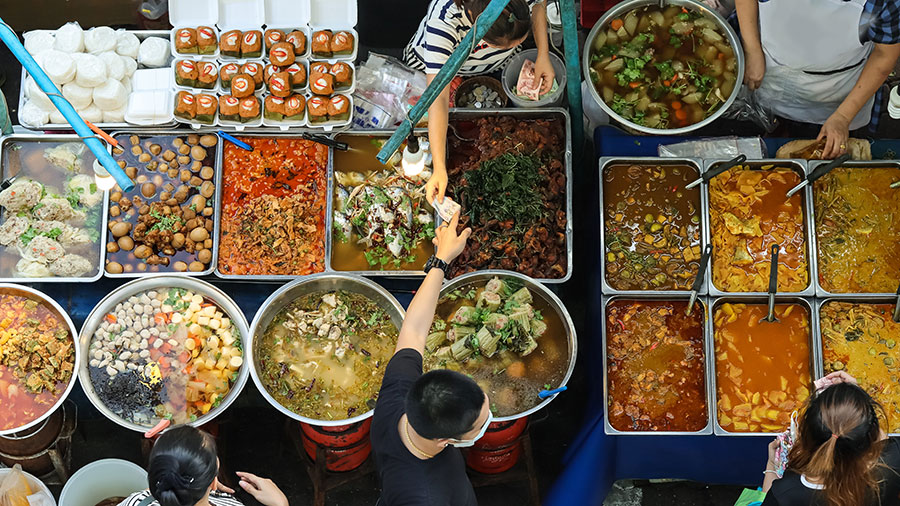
(321, 139)
(820, 171)
(773, 286)
(698, 281)
(722, 167)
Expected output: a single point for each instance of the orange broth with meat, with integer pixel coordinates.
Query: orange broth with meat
(762, 369)
(748, 214)
(655, 363)
(274, 201)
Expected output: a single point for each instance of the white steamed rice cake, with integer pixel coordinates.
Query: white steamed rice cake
(69, 38)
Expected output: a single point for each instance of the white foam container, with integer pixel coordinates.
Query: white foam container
(193, 89)
(303, 89)
(286, 125)
(237, 125)
(227, 91)
(243, 15)
(196, 124)
(191, 14)
(345, 91)
(331, 125)
(335, 15)
(287, 30)
(287, 16)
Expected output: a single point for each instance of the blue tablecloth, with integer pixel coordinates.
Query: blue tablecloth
(595, 460)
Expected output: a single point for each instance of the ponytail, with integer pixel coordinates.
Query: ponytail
(839, 444)
(183, 465)
(513, 24)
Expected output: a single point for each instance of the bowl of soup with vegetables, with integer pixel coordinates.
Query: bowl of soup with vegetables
(669, 69)
(319, 347)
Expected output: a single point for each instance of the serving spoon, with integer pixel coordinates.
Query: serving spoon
(698, 281)
(773, 286)
(820, 171)
(720, 168)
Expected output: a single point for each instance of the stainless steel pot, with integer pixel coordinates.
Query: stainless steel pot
(57, 310)
(162, 282)
(537, 290)
(325, 282)
(623, 8)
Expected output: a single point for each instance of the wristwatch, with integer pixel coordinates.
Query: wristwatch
(433, 262)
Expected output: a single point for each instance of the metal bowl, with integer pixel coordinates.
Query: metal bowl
(538, 290)
(623, 8)
(56, 309)
(325, 282)
(157, 282)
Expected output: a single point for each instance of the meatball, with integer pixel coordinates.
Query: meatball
(12, 228)
(71, 266)
(21, 196)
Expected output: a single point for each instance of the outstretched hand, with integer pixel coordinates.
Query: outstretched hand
(448, 244)
(262, 489)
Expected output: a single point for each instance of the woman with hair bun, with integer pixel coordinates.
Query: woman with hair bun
(841, 456)
(183, 471)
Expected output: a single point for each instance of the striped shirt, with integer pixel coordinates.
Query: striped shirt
(441, 31)
(215, 499)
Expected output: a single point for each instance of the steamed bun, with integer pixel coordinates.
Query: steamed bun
(115, 67)
(37, 42)
(59, 66)
(33, 116)
(69, 38)
(91, 113)
(79, 96)
(110, 96)
(127, 44)
(90, 72)
(100, 39)
(154, 52)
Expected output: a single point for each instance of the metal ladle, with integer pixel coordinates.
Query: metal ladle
(722, 167)
(698, 281)
(820, 171)
(773, 286)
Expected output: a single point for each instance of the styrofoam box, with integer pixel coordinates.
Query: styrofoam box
(227, 91)
(237, 125)
(285, 125)
(335, 15)
(191, 14)
(196, 124)
(346, 91)
(288, 29)
(289, 15)
(303, 88)
(194, 89)
(330, 125)
(241, 15)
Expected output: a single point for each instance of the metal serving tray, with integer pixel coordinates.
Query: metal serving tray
(707, 365)
(219, 210)
(697, 164)
(60, 138)
(868, 299)
(798, 166)
(814, 347)
(542, 113)
(65, 127)
(217, 178)
(333, 182)
(873, 164)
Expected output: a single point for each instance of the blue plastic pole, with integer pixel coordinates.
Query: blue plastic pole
(573, 75)
(18, 50)
(460, 55)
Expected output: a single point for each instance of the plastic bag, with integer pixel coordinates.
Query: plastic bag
(14, 488)
(716, 147)
(747, 107)
(750, 498)
(385, 91)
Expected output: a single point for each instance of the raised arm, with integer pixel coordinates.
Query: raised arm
(448, 245)
(543, 69)
(438, 115)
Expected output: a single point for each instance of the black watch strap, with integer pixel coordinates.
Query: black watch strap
(433, 262)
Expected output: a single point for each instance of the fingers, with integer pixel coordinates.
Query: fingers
(454, 222)
(440, 193)
(248, 480)
(225, 489)
(466, 233)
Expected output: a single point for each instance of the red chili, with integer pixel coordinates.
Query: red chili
(621, 323)
(653, 345)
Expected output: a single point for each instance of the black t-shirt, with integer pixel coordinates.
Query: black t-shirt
(405, 479)
(791, 491)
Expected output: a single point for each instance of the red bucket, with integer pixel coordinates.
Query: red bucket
(346, 446)
(499, 449)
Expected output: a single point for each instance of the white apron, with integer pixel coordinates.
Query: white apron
(804, 36)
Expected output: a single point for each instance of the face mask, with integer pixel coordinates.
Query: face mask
(470, 442)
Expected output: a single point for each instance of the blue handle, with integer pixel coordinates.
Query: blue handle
(543, 394)
(234, 140)
(37, 73)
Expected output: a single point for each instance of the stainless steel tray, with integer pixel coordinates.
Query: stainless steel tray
(219, 210)
(798, 166)
(65, 127)
(707, 365)
(542, 113)
(867, 299)
(332, 170)
(218, 179)
(814, 347)
(101, 248)
(821, 292)
(697, 164)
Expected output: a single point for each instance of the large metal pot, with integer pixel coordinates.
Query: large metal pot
(623, 8)
(537, 290)
(325, 282)
(137, 286)
(57, 310)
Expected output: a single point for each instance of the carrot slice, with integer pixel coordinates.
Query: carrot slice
(616, 24)
(681, 114)
(111, 318)
(676, 105)
(634, 84)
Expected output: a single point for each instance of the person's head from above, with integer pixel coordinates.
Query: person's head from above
(448, 408)
(839, 443)
(511, 27)
(183, 467)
